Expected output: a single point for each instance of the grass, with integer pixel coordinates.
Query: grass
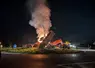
(19, 50)
(38, 51)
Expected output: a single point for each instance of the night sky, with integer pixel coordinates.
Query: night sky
(73, 19)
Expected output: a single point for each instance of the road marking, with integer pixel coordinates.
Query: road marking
(75, 63)
(9, 53)
(86, 50)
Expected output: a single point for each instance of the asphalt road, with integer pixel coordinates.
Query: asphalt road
(80, 60)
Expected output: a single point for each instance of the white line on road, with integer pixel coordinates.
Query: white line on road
(9, 53)
(86, 49)
(76, 63)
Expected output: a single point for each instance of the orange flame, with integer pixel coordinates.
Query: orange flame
(57, 42)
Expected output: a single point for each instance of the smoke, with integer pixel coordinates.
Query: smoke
(31, 5)
(40, 18)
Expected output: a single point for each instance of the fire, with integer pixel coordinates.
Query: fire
(59, 41)
(36, 44)
(41, 37)
(41, 20)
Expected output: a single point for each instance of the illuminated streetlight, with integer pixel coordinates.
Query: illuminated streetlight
(1, 46)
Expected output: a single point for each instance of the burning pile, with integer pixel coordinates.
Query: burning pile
(40, 19)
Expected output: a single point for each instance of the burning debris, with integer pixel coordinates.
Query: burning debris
(47, 39)
(40, 19)
(56, 42)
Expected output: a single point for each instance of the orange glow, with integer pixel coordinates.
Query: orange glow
(57, 42)
(36, 44)
(39, 56)
(42, 35)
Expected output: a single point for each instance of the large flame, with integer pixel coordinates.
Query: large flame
(41, 20)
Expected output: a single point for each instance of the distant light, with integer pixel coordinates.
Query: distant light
(67, 43)
(74, 55)
(72, 46)
(14, 46)
(94, 43)
(1, 46)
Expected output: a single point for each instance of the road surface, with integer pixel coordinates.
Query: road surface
(89, 50)
(80, 60)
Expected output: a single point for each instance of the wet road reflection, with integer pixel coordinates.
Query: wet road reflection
(46, 61)
(25, 61)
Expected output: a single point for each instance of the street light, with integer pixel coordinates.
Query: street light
(73, 46)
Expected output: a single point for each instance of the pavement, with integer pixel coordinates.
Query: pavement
(86, 50)
(79, 60)
(9, 53)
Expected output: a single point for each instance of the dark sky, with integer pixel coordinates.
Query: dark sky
(74, 20)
